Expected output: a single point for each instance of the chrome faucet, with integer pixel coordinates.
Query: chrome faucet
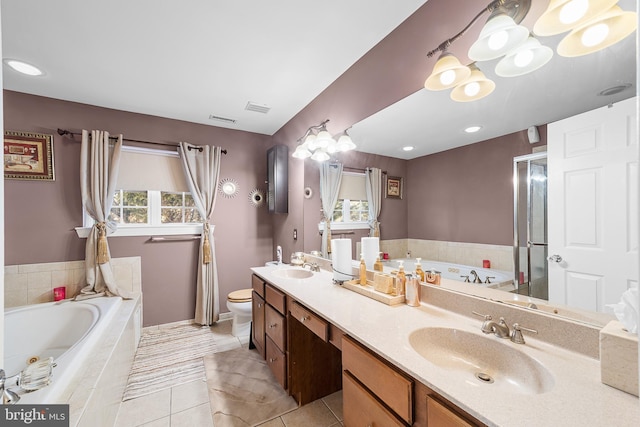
(8, 397)
(489, 326)
(313, 266)
(516, 334)
(476, 278)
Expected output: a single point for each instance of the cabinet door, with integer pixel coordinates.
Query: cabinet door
(258, 323)
(439, 415)
(361, 408)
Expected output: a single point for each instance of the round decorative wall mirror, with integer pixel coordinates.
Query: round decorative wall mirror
(228, 187)
(256, 197)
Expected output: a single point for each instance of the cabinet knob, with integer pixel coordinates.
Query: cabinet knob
(259, 305)
(273, 325)
(272, 359)
(303, 318)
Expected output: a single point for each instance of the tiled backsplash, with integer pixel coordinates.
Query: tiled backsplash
(472, 254)
(33, 283)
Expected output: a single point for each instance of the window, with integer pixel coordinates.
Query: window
(153, 196)
(352, 208)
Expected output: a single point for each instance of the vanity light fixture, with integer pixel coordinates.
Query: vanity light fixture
(23, 67)
(318, 143)
(593, 25)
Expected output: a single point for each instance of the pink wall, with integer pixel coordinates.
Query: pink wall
(40, 216)
(466, 194)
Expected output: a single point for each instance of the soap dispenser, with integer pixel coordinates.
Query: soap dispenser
(401, 279)
(363, 271)
(377, 266)
(419, 271)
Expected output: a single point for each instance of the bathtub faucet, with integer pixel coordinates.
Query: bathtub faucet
(8, 397)
(476, 278)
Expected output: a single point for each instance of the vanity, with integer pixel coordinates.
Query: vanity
(401, 365)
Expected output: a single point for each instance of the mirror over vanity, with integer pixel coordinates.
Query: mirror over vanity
(459, 186)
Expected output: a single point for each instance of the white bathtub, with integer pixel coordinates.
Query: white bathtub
(456, 271)
(66, 331)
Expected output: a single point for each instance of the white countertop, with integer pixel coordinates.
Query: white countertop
(578, 398)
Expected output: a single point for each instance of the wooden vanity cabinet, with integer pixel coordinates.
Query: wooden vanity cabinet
(257, 314)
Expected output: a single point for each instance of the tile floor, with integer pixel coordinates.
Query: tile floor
(188, 404)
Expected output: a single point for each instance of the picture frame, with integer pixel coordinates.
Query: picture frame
(394, 187)
(28, 156)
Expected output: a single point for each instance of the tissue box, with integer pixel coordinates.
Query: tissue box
(619, 358)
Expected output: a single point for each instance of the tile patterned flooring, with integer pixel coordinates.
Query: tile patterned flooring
(188, 404)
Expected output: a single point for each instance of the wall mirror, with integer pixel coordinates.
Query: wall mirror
(563, 88)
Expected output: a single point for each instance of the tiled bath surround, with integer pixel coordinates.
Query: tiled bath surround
(471, 254)
(33, 283)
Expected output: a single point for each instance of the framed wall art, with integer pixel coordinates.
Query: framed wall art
(394, 188)
(28, 156)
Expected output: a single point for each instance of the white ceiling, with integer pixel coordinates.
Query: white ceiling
(191, 59)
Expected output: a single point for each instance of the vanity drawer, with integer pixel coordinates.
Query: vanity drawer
(391, 386)
(275, 298)
(277, 362)
(275, 327)
(363, 409)
(258, 285)
(315, 324)
(439, 415)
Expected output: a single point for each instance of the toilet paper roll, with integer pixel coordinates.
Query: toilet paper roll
(341, 259)
(370, 250)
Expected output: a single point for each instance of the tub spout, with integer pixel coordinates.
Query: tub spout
(8, 397)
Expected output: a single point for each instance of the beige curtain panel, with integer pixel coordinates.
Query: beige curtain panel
(373, 186)
(99, 162)
(202, 171)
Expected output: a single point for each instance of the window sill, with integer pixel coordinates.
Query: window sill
(147, 230)
(337, 226)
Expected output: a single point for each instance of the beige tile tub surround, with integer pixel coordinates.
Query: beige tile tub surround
(26, 284)
(619, 358)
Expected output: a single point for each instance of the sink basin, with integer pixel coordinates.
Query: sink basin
(482, 360)
(293, 273)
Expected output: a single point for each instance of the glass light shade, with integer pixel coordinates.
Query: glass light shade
(320, 155)
(301, 152)
(332, 147)
(563, 15)
(498, 36)
(599, 33)
(323, 139)
(345, 143)
(310, 142)
(477, 86)
(447, 73)
(526, 58)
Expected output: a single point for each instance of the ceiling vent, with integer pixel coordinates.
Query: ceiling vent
(258, 108)
(221, 119)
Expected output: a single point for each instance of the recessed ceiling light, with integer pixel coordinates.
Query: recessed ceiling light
(472, 129)
(408, 148)
(23, 67)
(614, 90)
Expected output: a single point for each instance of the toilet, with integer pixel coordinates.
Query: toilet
(239, 304)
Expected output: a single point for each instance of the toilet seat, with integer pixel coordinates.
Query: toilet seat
(242, 295)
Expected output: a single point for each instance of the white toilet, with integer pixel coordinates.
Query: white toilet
(239, 304)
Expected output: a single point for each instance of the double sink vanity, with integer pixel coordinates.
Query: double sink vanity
(430, 365)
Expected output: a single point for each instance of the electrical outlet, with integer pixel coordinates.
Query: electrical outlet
(295, 234)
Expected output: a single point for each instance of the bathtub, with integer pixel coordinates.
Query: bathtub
(456, 271)
(66, 331)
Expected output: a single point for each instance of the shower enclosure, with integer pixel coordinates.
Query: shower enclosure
(530, 225)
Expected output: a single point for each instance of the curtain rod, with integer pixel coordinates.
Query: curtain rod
(63, 132)
(360, 170)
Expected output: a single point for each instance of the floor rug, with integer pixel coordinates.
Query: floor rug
(167, 357)
(242, 389)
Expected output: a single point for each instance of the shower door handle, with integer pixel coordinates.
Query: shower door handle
(555, 258)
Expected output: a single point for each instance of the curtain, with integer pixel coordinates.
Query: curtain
(99, 162)
(373, 186)
(202, 170)
(330, 178)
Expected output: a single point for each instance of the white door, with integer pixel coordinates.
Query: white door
(593, 206)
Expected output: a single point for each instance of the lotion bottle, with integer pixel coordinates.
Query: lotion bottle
(377, 266)
(419, 271)
(412, 297)
(401, 279)
(363, 271)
